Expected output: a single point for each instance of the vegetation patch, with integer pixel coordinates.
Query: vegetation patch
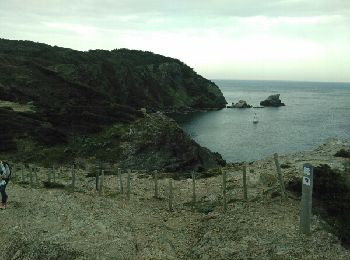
(343, 153)
(53, 185)
(285, 165)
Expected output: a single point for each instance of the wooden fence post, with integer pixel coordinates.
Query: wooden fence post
(59, 174)
(54, 175)
(49, 171)
(306, 199)
(128, 188)
(36, 177)
(120, 180)
(100, 190)
(224, 190)
(193, 189)
(280, 176)
(73, 177)
(31, 176)
(170, 194)
(23, 178)
(245, 192)
(98, 175)
(156, 193)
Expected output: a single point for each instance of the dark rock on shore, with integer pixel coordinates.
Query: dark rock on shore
(272, 101)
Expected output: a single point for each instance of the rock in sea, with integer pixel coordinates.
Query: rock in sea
(240, 104)
(272, 101)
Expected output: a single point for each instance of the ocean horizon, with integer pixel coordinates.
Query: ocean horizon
(314, 113)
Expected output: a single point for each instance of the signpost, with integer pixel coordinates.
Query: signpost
(306, 199)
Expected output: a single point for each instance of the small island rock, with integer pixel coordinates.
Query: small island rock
(240, 104)
(272, 101)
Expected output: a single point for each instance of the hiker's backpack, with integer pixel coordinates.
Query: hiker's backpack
(8, 171)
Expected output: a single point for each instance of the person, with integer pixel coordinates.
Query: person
(5, 173)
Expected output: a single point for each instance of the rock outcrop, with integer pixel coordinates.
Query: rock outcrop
(272, 101)
(240, 104)
(156, 142)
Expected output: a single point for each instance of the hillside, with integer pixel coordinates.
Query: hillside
(60, 224)
(55, 77)
(52, 96)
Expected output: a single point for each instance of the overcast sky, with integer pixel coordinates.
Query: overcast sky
(220, 39)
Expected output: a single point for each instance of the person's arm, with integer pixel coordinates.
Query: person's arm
(2, 170)
(7, 171)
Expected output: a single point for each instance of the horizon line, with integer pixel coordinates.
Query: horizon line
(283, 80)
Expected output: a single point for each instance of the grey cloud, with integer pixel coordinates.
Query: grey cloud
(112, 21)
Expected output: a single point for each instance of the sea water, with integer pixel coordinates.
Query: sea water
(314, 113)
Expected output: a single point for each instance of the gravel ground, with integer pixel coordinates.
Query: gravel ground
(42, 223)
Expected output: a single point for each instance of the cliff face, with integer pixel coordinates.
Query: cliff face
(73, 94)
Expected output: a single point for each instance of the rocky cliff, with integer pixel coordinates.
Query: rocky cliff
(52, 96)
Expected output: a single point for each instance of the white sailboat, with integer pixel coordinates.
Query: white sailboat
(255, 119)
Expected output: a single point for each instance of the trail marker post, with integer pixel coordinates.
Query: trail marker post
(306, 199)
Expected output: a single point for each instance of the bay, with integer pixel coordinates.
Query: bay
(314, 113)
